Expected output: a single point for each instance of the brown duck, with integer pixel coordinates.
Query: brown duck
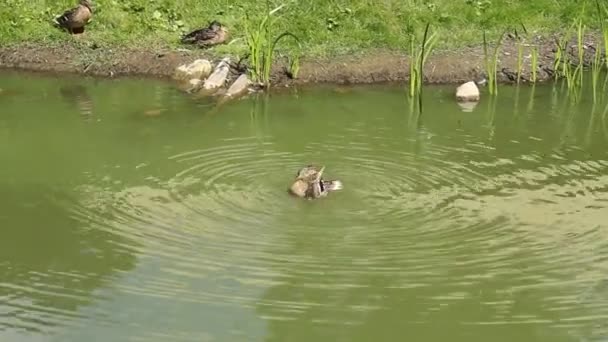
(75, 19)
(214, 34)
(309, 183)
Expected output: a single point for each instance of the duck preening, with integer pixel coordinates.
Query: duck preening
(309, 183)
(75, 19)
(214, 34)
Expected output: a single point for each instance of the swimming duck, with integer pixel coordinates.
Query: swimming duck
(75, 19)
(310, 184)
(214, 34)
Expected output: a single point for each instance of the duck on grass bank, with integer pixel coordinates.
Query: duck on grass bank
(309, 183)
(75, 19)
(209, 36)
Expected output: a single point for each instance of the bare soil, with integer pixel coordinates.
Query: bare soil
(443, 66)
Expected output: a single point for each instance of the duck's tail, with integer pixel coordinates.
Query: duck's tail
(187, 40)
(332, 185)
(190, 38)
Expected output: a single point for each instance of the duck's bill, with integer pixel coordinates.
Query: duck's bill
(320, 174)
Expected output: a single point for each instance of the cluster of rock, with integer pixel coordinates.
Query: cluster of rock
(203, 78)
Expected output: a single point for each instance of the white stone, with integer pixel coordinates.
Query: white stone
(238, 87)
(219, 75)
(193, 85)
(199, 69)
(194, 82)
(467, 92)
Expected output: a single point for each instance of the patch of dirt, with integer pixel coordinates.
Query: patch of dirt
(442, 67)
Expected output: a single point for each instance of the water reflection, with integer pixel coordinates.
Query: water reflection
(467, 107)
(77, 95)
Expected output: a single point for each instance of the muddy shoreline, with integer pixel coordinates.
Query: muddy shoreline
(442, 67)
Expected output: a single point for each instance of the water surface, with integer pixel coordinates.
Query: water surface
(133, 212)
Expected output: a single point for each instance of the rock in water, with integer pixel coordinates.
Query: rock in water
(238, 87)
(219, 75)
(193, 85)
(194, 82)
(467, 92)
(199, 69)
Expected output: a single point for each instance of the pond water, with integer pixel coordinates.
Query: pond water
(130, 211)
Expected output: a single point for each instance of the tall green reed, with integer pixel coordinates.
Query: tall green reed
(491, 63)
(596, 70)
(262, 46)
(602, 12)
(419, 52)
(580, 53)
(563, 64)
(520, 51)
(520, 56)
(534, 63)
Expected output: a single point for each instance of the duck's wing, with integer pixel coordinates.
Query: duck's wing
(77, 16)
(198, 35)
(315, 190)
(67, 17)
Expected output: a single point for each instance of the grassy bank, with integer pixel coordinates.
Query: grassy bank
(326, 28)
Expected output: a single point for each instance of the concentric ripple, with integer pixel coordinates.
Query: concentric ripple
(416, 212)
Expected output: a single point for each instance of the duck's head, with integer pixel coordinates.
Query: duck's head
(310, 173)
(215, 26)
(86, 3)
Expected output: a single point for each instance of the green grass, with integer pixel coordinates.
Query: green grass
(326, 28)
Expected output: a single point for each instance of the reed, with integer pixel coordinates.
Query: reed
(520, 56)
(574, 76)
(561, 60)
(534, 64)
(261, 46)
(605, 34)
(602, 13)
(578, 72)
(419, 53)
(557, 59)
(294, 66)
(596, 70)
(520, 53)
(605, 43)
(491, 63)
(563, 64)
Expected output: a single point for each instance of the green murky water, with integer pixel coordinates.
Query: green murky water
(132, 212)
